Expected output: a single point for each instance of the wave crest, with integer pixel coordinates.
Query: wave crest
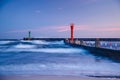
(24, 46)
(5, 42)
(43, 42)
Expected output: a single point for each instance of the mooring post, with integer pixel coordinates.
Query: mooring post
(97, 42)
(81, 42)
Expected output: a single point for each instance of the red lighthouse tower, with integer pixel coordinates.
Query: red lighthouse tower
(72, 32)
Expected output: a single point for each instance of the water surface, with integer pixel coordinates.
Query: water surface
(51, 58)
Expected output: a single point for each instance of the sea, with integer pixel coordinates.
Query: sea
(40, 57)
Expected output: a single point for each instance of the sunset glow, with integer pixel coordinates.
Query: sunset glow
(44, 18)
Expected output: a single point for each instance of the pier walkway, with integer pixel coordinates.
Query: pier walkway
(98, 48)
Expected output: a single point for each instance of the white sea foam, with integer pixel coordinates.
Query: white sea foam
(57, 42)
(32, 48)
(74, 64)
(24, 46)
(57, 50)
(43, 42)
(39, 42)
(102, 69)
(5, 42)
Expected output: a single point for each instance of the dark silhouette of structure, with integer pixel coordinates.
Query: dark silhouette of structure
(29, 34)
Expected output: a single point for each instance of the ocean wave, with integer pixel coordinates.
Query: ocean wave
(6, 42)
(39, 42)
(43, 42)
(24, 46)
(78, 62)
(74, 69)
(57, 42)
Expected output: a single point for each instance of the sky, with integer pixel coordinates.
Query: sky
(52, 18)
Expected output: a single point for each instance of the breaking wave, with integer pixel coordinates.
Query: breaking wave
(64, 69)
(51, 57)
(24, 46)
(43, 42)
(31, 48)
(5, 42)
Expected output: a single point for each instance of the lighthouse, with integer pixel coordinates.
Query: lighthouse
(72, 32)
(29, 34)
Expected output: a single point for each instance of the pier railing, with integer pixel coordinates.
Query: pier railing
(114, 45)
(98, 48)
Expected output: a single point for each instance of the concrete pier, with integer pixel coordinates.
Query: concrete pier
(97, 50)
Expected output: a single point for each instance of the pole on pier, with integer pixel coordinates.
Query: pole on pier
(81, 42)
(97, 43)
(72, 32)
